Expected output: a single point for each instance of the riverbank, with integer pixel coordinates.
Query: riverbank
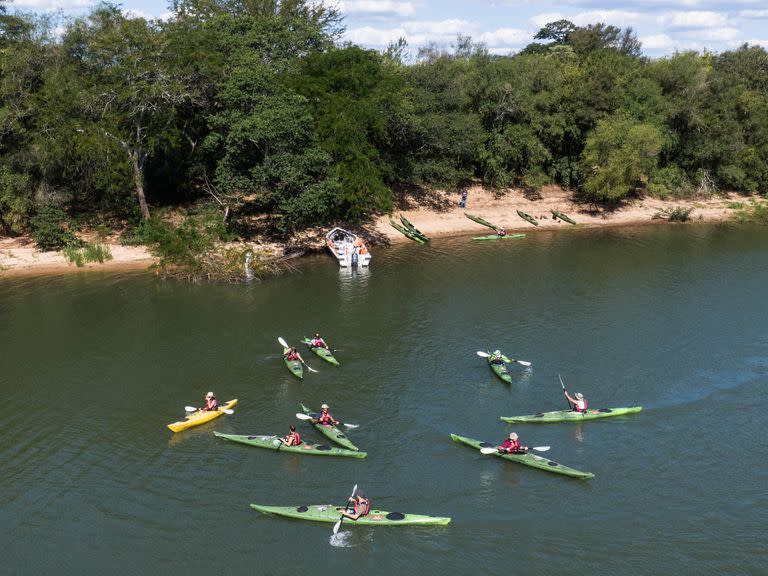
(436, 214)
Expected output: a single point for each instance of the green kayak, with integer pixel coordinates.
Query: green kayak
(273, 443)
(331, 432)
(563, 217)
(413, 228)
(572, 416)
(480, 220)
(528, 459)
(294, 366)
(405, 232)
(330, 514)
(497, 237)
(324, 353)
(526, 216)
(501, 371)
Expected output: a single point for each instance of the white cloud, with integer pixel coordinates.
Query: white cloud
(450, 27)
(657, 42)
(756, 14)
(50, 5)
(541, 20)
(417, 32)
(369, 36)
(693, 19)
(712, 35)
(620, 18)
(506, 37)
(376, 7)
(759, 42)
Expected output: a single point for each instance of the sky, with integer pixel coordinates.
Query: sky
(507, 26)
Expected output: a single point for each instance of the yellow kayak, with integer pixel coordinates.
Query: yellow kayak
(201, 417)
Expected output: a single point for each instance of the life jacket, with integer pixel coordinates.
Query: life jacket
(325, 418)
(511, 445)
(292, 356)
(358, 242)
(293, 439)
(580, 406)
(211, 404)
(317, 342)
(363, 249)
(365, 505)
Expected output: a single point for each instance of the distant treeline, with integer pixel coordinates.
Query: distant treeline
(258, 107)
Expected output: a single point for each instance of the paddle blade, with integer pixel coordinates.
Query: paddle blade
(561, 382)
(337, 526)
(190, 409)
(351, 426)
(301, 416)
(483, 354)
(310, 368)
(282, 342)
(226, 411)
(488, 450)
(523, 362)
(541, 448)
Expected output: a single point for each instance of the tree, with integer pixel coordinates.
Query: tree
(618, 158)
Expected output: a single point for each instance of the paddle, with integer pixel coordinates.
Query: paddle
(284, 344)
(496, 451)
(338, 524)
(301, 416)
(193, 409)
(521, 362)
(563, 385)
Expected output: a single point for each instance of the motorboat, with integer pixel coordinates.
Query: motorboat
(349, 249)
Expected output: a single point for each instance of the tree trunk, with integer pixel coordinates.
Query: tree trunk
(138, 178)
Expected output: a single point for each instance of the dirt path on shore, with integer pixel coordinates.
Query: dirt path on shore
(437, 214)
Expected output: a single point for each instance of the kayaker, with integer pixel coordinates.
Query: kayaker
(500, 232)
(512, 445)
(211, 403)
(318, 342)
(498, 358)
(293, 438)
(293, 354)
(325, 417)
(360, 506)
(579, 402)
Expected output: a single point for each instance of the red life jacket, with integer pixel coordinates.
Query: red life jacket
(365, 504)
(325, 418)
(511, 445)
(292, 356)
(317, 343)
(293, 439)
(580, 406)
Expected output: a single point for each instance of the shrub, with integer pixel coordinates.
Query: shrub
(50, 229)
(80, 256)
(677, 214)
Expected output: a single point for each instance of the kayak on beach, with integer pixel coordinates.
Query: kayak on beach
(201, 417)
(330, 514)
(274, 443)
(405, 232)
(527, 459)
(497, 237)
(572, 415)
(329, 431)
(413, 228)
(563, 217)
(323, 353)
(480, 221)
(528, 217)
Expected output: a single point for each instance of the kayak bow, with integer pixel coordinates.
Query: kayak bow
(330, 514)
(413, 228)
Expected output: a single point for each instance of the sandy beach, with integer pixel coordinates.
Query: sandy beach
(437, 215)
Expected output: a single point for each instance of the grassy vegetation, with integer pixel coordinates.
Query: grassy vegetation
(676, 214)
(87, 252)
(754, 212)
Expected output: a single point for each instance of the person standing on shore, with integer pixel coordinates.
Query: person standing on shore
(463, 202)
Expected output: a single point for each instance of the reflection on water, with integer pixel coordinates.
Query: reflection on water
(351, 538)
(578, 432)
(353, 279)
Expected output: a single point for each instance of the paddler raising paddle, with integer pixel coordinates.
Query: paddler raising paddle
(512, 445)
(579, 402)
(211, 403)
(360, 506)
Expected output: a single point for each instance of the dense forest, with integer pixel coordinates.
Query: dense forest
(257, 107)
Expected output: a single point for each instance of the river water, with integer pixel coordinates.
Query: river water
(673, 318)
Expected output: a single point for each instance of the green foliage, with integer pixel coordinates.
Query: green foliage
(676, 214)
(618, 158)
(754, 212)
(88, 252)
(50, 229)
(670, 182)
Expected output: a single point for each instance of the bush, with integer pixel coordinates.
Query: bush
(677, 214)
(88, 253)
(670, 181)
(50, 229)
(756, 212)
